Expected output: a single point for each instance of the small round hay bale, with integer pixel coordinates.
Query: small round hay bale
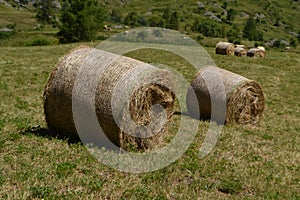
(245, 99)
(225, 48)
(156, 89)
(261, 48)
(240, 52)
(256, 53)
(240, 45)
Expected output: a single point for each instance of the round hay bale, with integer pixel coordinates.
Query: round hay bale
(225, 48)
(240, 45)
(261, 48)
(256, 53)
(115, 76)
(240, 52)
(245, 99)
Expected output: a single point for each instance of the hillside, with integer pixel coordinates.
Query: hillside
(277, 20)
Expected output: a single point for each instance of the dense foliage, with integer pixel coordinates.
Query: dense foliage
(80, 20)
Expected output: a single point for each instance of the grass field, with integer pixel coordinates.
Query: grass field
(247, 163)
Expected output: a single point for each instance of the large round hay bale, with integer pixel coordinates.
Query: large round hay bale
(225, 48)
(256, 53)
(240, 52)
(115, 76)
(245, 100)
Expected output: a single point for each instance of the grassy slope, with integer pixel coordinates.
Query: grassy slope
(288, 13)
(246, 163)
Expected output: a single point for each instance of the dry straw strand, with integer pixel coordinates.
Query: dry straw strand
(157, 90)
(245, 99)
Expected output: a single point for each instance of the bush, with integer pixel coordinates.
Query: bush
(80, 20)
(6, 34)
(156, 21)
(131, 19)
(208, 27)
(11, 26)
(278, 44)
(293, 42)
(38, 42)
(251, 31)
(116, 16)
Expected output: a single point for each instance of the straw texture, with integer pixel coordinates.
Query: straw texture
(124, 97)
(225, 48)
(245, 100)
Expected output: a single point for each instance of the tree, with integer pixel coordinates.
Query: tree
(230, 16)
(173, 22)
(208, 27)
(131, 19)
(116, 16)
(293, 42)
(46, 11)
(251, 32)
(80, 20)
(156, 21)
(167, 14)
(142, 20)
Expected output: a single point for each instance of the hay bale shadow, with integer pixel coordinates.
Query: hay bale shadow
(47, 133)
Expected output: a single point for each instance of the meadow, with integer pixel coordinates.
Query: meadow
(246, 163)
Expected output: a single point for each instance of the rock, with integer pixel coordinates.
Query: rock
(200, 4)
(293, 33)
(260, 15)
(5, 29)
(243, 14)
(212, 16)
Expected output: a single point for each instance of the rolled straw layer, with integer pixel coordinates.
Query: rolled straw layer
(256, 53)
(122, 98)
(240, 52)
(225, 48)
(245, 100)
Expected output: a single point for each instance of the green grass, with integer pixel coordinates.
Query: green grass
(24, 19)
(247, 163)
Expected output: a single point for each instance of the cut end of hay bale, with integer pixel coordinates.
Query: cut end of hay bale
(225, 48)
(246, 104)
(245, 100)
(114, 79)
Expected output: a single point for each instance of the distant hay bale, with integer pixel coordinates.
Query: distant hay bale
(245, 100)
(225, 48)
(261, 48)
(240, 52)
(256, 53)
(157, 89)
(240, 45)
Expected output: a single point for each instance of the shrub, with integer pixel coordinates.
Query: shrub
(208, 27)
(293, 42)
(6, 34)
(131, 19)
(38, 42)
(156, 21)
(116, 16)
(251, 31)
(80, 20)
